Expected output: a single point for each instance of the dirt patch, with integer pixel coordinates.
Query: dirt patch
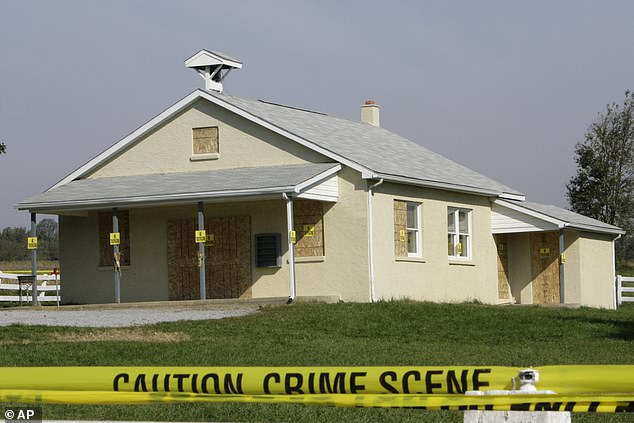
(107, 335)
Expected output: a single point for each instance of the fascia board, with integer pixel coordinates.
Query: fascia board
(309, 183)
(520, 230)
(590, 228)
(516, 197)
(129, 139)
(435, 185)
(541, 216)
(268, 125)
(150, 199)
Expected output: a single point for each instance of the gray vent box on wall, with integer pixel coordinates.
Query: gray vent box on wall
(268, 250)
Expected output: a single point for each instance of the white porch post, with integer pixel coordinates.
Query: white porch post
(291, 245)
(562, 259)
(371, 189)
(117, 257)
(201, 251)
(34, 258)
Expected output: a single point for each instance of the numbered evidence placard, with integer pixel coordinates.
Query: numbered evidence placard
(115, 238)
(201, 236)
(32, 243)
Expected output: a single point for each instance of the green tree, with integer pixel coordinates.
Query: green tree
(48, 239)
(13, 242)
(603, 187)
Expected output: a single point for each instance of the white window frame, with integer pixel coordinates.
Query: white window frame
(454, 213)
(417, 231)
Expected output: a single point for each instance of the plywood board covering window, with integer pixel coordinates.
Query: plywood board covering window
(106, 251)
(501, 243)
(400, 228)
(205, 140)
(308, 221)
(407, 225)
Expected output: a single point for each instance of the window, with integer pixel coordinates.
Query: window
(106, 251)
(413, 229)
(205, 143)
(268, 250)
(407, 229)
(459, 233)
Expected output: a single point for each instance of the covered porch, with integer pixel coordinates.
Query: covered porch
(182, 236)
(549, 255)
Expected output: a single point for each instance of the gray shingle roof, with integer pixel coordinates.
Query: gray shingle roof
(163, 187)
(374, 148)
(575, 220)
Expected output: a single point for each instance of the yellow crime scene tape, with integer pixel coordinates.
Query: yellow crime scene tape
(579, 388)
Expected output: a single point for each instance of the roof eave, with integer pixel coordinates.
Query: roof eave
(317, 179)
(81, 205)
(444, 185)
(590, 228)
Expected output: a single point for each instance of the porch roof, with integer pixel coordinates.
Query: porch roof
(82, 194)
(527, 213)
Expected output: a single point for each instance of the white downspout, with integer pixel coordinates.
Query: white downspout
(291, 246)
(371, 238)
(614, 273)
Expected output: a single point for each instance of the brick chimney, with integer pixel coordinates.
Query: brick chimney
(370, 113)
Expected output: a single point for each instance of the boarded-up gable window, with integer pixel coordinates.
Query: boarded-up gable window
(400, 228)
(106, 251)
(205, 140)
(308, 220)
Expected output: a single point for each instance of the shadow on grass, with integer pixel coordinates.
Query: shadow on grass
(616, 325)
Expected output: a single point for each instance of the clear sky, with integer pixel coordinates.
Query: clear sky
(504, 87)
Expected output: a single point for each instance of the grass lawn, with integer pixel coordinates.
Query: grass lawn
(386, 333)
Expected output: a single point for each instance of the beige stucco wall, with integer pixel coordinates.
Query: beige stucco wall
(434, 277)
(597, 270)
(342, 272)
(241, 144)
(520, 276)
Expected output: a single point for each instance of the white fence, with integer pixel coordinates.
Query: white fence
(624, 285)
(46, 284)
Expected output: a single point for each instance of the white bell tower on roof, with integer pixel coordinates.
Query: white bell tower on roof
(213, 66)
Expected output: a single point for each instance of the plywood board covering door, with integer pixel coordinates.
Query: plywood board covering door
(501, 243)
(545, 267)
(227, 258)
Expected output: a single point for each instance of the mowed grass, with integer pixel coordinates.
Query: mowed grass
(382, 334)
